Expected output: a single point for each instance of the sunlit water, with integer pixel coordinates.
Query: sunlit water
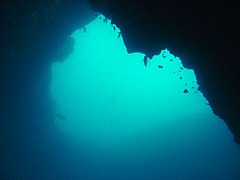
(137, 121)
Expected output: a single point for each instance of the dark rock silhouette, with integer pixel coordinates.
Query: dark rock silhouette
(205, 35)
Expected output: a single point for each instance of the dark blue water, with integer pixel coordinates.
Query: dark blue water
(136, 120)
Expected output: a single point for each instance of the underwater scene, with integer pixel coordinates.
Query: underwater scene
(137, 118)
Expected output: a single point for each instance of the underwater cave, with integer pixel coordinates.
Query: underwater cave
(117, 105)
(109, 90)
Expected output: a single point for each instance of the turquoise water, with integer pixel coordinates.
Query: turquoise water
(136, 120)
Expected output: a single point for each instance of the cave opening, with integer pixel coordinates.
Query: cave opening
(127, 108)
(105, 95)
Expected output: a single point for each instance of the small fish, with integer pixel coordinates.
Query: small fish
(145, 60)
(105, 20)
(185, 91)
(119, 34)
(61, 116)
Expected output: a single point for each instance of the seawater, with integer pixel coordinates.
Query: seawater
(135, 120)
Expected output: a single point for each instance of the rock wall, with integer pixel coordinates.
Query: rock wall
(205, 35)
